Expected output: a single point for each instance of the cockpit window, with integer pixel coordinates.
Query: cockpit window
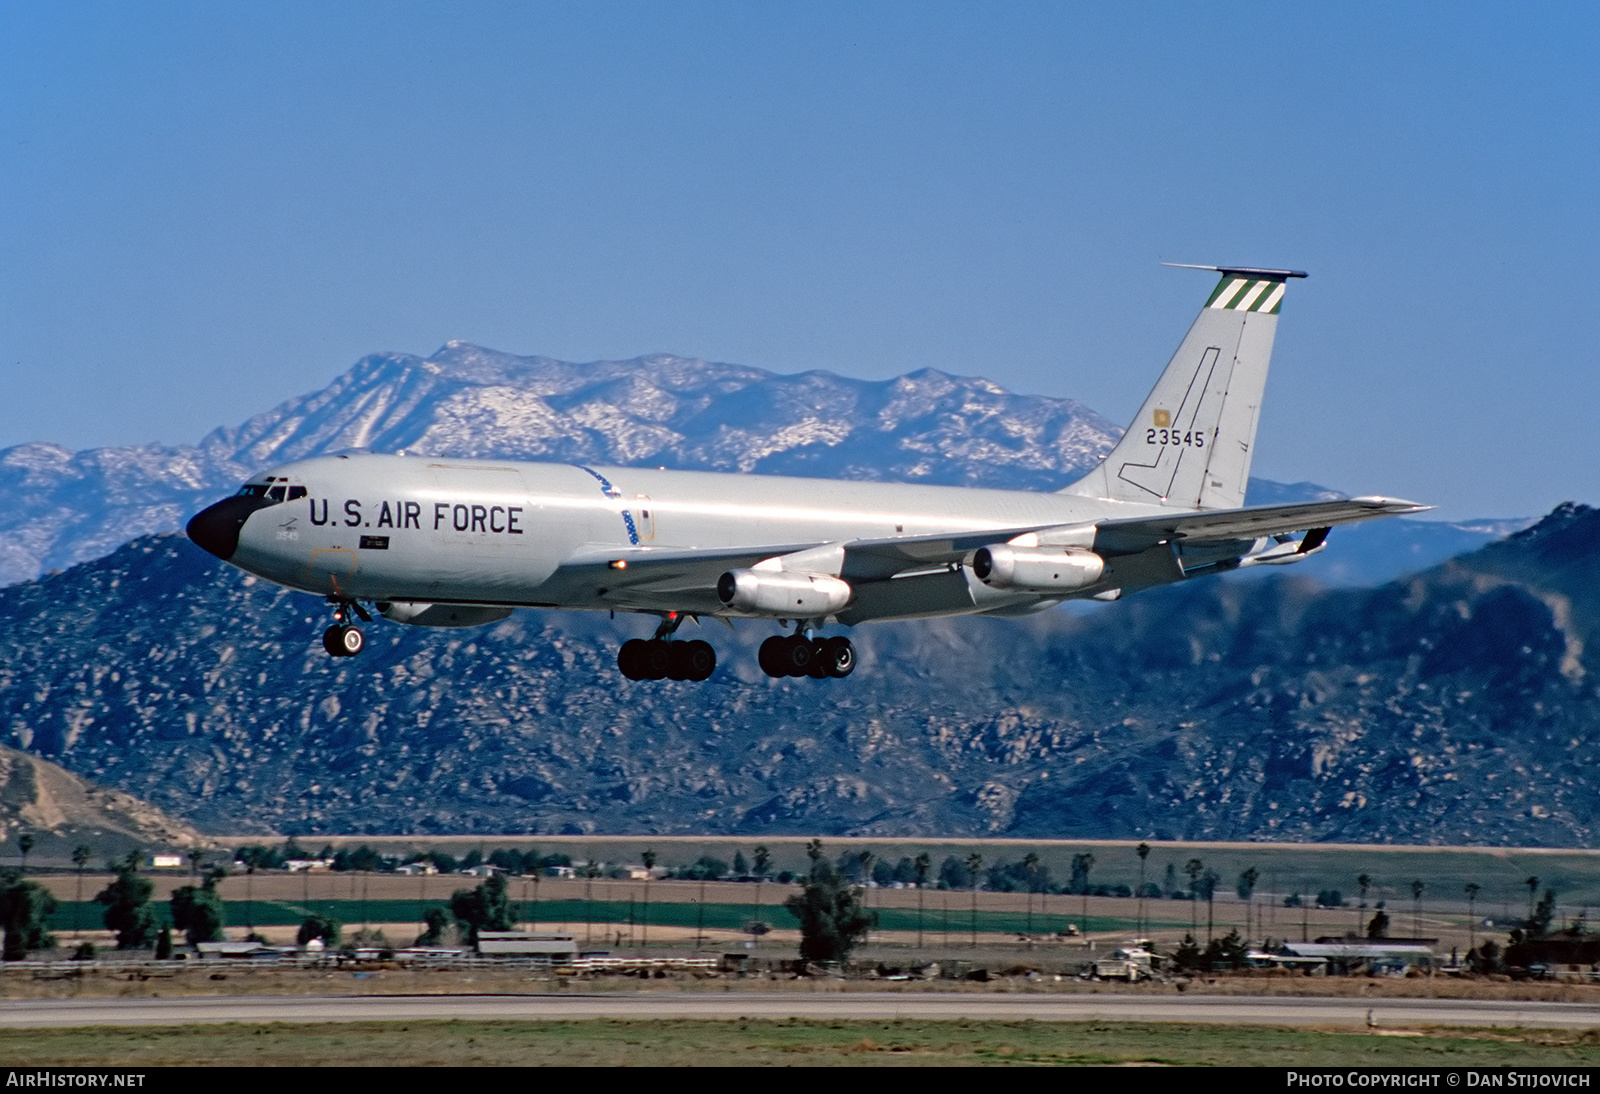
(272, 491)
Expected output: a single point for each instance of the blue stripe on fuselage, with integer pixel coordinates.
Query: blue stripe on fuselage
(614, 494)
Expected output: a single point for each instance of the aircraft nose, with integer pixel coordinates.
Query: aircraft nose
(216, 527)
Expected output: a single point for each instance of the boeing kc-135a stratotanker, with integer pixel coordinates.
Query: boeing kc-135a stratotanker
(457, 543)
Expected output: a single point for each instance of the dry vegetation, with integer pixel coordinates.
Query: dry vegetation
(195, 979)
(814, 1043)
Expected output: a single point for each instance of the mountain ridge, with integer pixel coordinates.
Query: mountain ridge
(1454, 705)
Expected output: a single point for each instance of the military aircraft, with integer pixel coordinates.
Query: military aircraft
(440, 542)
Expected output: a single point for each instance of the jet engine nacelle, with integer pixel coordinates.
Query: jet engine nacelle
(441, 615)
(784, 594)
(1046, 569)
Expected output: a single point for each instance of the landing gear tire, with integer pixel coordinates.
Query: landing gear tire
(658, 659)
(770, 656)
(655, 660)
(796, 656)
(698, 658)
(818, 668)
(818, 658)
(630, 658)
(342, 640)
(677, 660)
(839, 655)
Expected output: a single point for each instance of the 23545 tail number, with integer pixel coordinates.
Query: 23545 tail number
(1192, 439)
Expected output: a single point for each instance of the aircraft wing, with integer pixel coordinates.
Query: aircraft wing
(659, 579)
(879, 559)
(686, 578)
(682, 569)
(1125, 535)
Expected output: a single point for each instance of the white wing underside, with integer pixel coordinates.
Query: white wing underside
(685, 578)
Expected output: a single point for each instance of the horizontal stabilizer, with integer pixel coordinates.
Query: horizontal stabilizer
(1221, 525)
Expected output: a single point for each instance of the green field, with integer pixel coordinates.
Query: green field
(785, 1043)
(1284, 868)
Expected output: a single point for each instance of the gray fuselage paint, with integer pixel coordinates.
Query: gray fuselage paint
(492, 532)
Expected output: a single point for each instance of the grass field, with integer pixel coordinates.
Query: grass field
(1285, 868)
(784, 1043)
(598, 911)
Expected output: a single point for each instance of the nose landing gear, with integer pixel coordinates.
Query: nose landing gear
(799, 655)
(344, 639)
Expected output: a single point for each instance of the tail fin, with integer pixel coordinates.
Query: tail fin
(1190, 447)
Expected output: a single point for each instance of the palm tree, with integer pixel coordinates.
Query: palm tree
(1194, 868)
(649, 860)
(1305, 911)
(533, 913)
(700, 914)
(590, 872)
(1143, 851)
(866, 859)
(1081, 865)
(25, 844)
(1247, 889)
(80, 859)
(1473, 889)
(1210, 879)
(1365, 883)
(762, 859)
(974, 866)
(252, 858)
(1533, 886)
(1030, 866)
(924, 866)
(1416, 909)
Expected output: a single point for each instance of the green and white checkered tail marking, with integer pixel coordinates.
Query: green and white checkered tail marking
(1247, 294)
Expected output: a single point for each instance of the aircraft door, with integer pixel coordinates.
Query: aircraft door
(644, 517)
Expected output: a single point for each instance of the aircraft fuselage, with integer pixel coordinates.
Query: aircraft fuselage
(409, 528)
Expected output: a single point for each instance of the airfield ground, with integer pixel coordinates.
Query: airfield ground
(788, 1043)
(1002, 932)
(620, 917)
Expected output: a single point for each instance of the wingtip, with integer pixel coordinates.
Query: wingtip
(1391, 505)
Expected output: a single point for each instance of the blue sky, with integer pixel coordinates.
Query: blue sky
(207, 208)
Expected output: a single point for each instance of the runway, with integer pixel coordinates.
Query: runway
(656, 1006)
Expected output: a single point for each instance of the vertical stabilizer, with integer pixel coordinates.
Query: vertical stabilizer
(1191, 444)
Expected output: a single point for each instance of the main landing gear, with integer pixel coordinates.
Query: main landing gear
(800, 655)
(661, 659)
(344, 639)
(664, 658)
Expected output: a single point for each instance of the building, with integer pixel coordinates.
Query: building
(558, 948)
